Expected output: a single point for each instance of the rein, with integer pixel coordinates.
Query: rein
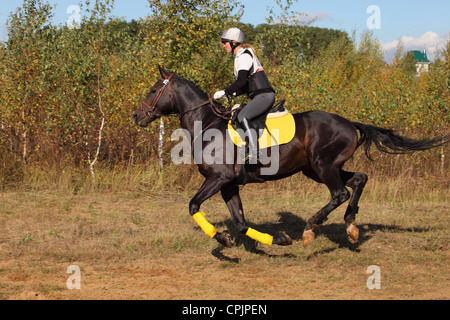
(221, 115)
(225, 115)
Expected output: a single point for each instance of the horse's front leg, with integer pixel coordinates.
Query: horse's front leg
(209, 188)
(230, 194)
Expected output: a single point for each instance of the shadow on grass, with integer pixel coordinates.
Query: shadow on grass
(294, 226)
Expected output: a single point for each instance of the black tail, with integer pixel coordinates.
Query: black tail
(389, 142)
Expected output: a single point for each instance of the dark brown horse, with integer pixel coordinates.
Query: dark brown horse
(323, 142)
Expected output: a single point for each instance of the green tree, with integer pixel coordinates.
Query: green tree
(281, 37)
(180, 29)
(67, 95)
(316, 41)
(25, 65)
(408, 64)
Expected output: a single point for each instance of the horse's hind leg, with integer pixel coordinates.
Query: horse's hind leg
(356, 181)
(230, 194)
(339, 194)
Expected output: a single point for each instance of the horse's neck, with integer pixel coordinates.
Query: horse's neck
(196, 113)
(198, 120)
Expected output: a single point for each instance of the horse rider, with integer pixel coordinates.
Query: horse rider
(251, 80)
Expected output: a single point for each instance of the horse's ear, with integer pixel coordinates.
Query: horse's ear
(164, 73)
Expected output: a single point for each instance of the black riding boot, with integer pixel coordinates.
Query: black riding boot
(251, 152)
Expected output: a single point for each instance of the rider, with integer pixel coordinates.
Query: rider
(250, 79)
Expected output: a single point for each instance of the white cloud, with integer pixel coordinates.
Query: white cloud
(3, 32)
(320, 16)
(429, 41)
(307, 18)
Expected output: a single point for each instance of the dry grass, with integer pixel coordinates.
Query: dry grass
(141, 243)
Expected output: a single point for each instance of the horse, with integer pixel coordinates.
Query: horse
(322, 144)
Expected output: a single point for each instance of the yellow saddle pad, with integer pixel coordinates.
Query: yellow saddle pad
(279, 130)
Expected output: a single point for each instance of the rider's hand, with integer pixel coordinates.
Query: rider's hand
(219, 95)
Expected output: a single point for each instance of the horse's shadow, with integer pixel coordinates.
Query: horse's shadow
(294, 226)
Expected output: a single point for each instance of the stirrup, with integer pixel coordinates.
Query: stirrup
(247, 157)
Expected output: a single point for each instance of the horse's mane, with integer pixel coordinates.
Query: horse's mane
(196, 88)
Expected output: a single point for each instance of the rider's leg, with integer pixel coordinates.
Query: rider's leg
(251, 138)
(260, 104)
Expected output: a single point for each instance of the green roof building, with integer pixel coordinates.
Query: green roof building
(423, 63)
(420, 56)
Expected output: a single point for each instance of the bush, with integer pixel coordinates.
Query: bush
(61, 88)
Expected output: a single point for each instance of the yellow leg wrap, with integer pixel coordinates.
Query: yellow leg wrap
(264, 238)
(207, 227)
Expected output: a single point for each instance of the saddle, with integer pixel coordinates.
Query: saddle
(260, 122)
(275, 127)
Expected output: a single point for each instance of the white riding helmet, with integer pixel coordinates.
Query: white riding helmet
(233, 34)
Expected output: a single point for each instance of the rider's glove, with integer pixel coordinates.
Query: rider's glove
(219, 95)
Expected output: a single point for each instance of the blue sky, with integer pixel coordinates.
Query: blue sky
(418, 24)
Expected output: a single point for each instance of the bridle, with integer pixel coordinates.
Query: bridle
(152, 108)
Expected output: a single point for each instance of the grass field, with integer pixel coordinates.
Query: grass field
(141, 244)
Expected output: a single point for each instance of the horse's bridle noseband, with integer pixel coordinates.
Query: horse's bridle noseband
(152, 107)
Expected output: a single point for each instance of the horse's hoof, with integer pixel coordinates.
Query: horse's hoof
(308, 236)
(353, 232)
(282, 239)
(224, 239)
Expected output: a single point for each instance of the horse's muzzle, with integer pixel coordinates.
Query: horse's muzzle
(140, 120)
